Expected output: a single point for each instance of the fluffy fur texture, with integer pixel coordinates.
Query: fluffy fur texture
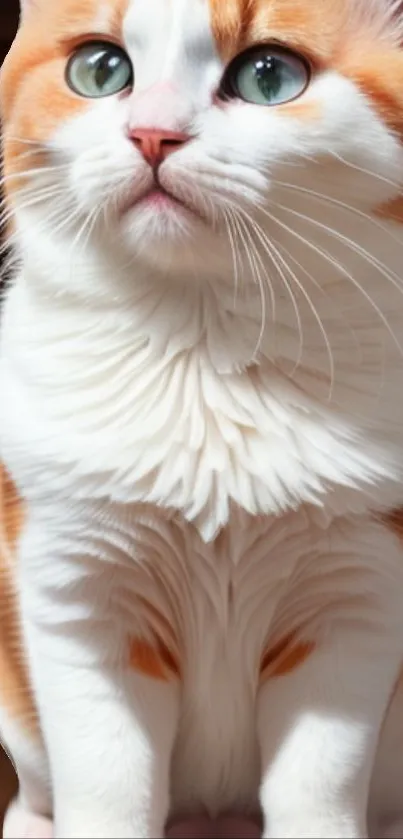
(202, 410)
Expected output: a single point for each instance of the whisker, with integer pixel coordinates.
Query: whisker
(276, 258)
(334, 202)
(33, 173)
(269, 247)
(258, 232)
(371, 173)
(256, 273)
(59, 210)
(25, 140)
(234, 252)
(323, 331)
(11, 212)
(319, 288)
(354, 246)
(317, 317)
(339, 267)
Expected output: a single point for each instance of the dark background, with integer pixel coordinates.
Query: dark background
(8, 25)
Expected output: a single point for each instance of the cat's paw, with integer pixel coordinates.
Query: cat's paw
(22, 824)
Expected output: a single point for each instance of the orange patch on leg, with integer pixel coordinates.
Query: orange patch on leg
(15, 691)
(284, 657)
(394, 520)
(158, 656)
(153, 659)
(392, 211)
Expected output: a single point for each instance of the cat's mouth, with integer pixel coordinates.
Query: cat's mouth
(160, 199)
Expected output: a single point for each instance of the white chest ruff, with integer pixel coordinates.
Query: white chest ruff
(177, 434)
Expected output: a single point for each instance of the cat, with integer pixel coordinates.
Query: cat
(201, 418)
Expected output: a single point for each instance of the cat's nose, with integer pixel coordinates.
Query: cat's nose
(156, 145)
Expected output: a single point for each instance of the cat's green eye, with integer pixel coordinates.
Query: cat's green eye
(99, 69)
(266, 76)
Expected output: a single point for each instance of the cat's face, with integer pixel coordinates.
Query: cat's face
(153, 124)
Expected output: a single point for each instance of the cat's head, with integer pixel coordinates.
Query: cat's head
(155, 124)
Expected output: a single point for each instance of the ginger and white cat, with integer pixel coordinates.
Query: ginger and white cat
(201, 417)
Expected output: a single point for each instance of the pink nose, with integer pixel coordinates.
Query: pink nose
(155, 144)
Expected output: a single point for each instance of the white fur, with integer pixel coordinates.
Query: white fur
(183, 433)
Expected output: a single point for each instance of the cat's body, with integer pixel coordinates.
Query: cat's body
(216, 765)
(202, 409)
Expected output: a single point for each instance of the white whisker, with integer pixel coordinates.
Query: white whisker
(339, 267)
(234, 253)
(334, 202)
(255, 258)
(319, 322)
(319, 288)
(277, 260)
(396, 184)
(352, 245)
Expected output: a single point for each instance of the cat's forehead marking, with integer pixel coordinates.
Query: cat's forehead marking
(67, 18)
(169, 40)
(175, 58)
(327, 30)
(238, 23)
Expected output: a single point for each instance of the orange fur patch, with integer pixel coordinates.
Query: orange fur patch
(15, 692)
(312, 27)
(395, 520)
(392, 211)
(284, 657)
(332, 34)
(384, 89)
(158, 657)
(231, 22)
(298, 109)
(35, 99)
(153, 659)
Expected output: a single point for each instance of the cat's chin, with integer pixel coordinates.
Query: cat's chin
(160, 213)
(165, 233)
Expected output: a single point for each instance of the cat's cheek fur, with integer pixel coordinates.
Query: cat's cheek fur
(100, 165)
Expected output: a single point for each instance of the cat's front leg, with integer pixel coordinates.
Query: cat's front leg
(109, 727)
(319, 723)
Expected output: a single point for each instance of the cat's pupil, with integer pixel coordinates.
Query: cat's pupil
(269, 76)
(104, 67)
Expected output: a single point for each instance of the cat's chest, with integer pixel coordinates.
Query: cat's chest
(174, 432)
